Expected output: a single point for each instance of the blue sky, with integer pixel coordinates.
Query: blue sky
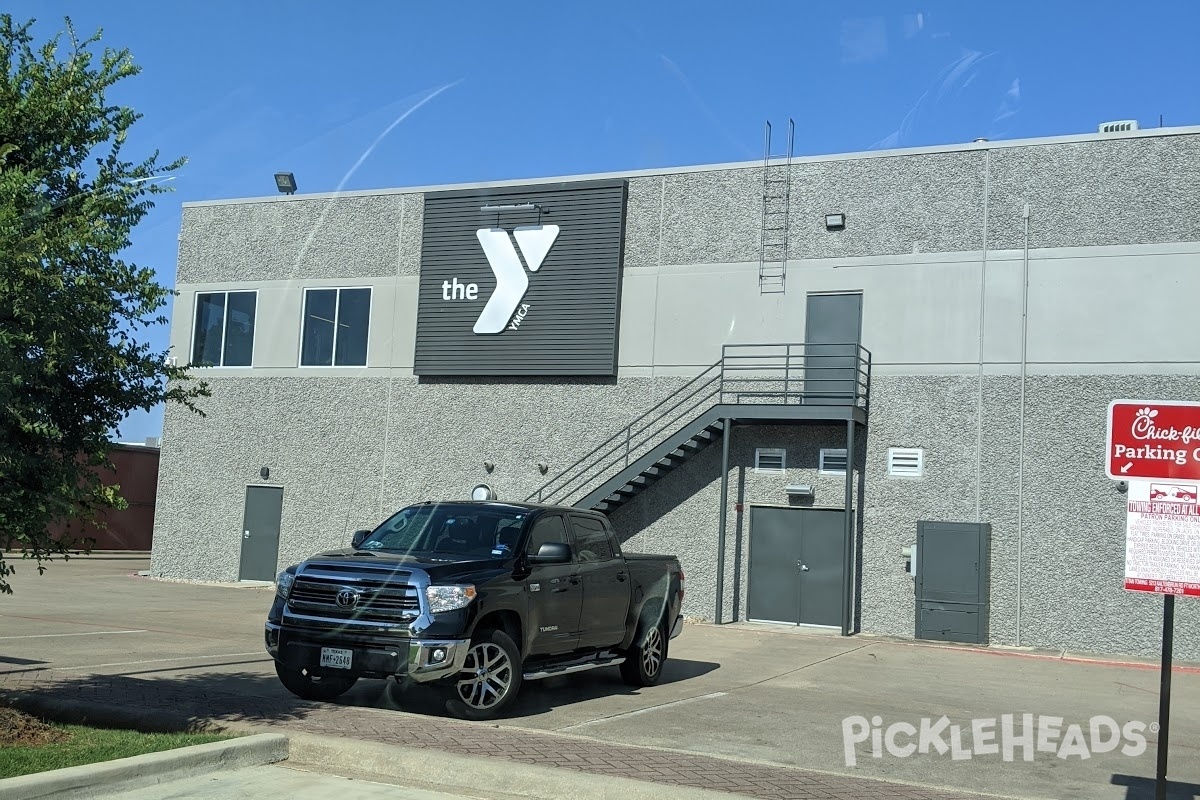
(360, 95)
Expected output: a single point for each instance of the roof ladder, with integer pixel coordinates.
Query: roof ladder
(777, 201)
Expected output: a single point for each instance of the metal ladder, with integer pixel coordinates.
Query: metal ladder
(777, 202)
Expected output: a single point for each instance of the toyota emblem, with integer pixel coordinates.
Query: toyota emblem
(347, 598)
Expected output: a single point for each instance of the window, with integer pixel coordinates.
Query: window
(224, 333)
(906, 462)
(592, 542)
(546, 530)
(335, 327)
(447, 528)
(833, 462)
(770, 459)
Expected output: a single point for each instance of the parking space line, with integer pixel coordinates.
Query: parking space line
(54, 635)
(622, 715)
(158, 661)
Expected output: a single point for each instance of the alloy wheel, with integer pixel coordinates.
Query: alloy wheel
(487, 676)
(652, 652)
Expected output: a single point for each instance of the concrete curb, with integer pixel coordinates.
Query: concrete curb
(151, 769)
(479, 775)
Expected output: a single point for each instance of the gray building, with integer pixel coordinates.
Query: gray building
(884, 349)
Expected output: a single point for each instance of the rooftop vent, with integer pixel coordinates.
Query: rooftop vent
(1119, 126)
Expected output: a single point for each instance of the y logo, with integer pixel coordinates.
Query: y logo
(535, 242)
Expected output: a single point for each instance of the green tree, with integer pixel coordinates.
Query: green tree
(73, 313)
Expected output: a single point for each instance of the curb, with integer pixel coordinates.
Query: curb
(150, 769)
(480, 775)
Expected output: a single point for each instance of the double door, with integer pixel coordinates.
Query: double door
(796, 565)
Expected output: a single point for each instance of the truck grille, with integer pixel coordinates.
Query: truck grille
(353, 591)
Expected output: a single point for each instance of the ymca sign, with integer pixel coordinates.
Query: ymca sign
(1153, 440)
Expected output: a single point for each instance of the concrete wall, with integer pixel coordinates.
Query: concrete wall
(936, 244)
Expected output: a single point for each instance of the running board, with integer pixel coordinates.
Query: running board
(550, 672)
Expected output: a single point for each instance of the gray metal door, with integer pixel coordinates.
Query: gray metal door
(952, 583)
(796, 559)
(260, 533)
(822, 536)
(832, 332)
(774, 591)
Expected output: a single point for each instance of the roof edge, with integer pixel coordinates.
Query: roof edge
(1144, 133)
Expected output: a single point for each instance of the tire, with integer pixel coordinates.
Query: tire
(305, 684)
(490, 680)
(643, 664)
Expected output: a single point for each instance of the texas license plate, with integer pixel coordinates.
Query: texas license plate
(338, 659)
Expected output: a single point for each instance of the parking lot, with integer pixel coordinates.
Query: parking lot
(751, 692)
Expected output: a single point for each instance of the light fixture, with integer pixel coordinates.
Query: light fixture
(285, 182)
(265, 472)
(798, 490)
(510, 207)
(489, 465)
(483, 492)
(543, 467)
(835, 222)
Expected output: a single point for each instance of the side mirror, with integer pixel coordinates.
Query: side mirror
(358, 538)
(552, 553)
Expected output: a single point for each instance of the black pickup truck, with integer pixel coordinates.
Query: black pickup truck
(474, 598)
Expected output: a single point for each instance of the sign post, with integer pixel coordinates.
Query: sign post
(1156, 447)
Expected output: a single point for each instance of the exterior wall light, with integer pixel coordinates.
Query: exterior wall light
(798, 490)
(285, 182)
(543, 467)
(483, 492)
(489, 465)
(835, 222)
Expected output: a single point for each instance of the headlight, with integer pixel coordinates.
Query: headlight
(283, 583)
(449, 598)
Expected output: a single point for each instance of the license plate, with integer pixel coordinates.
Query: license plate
(338, 659)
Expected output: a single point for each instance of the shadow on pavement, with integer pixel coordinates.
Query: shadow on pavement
(1139, 788)
(190, 701)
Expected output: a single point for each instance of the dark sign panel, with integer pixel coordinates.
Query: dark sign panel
(521, 280)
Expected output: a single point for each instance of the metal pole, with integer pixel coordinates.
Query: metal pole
(1164, 695)
(628, 432)
(725, 426)
(848, 558)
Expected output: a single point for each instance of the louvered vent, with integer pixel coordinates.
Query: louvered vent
(906, 462)
(1119, 126)
(769, 459)
(833, 462)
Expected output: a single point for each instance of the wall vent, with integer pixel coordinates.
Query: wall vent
(833, 462)
(770, 459)
(906, 462)
(1119, 126)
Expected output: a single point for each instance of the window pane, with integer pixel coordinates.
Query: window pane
(210, 317)
(239, 329)
(316, 347)
(353, 318)
(591, 540)
(546, 529)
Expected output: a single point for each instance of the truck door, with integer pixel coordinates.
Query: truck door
(605, 584)
(555, 593)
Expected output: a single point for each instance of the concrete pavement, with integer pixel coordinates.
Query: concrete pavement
(282, 783)
(742, 708)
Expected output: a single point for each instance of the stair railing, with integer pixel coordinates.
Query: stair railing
(774, 374)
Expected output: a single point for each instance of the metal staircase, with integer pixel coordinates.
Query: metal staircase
(762, 383)
(776, 209)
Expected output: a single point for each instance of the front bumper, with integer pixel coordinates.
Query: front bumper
(420, 660)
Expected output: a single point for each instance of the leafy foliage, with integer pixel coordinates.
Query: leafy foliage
(73, 360)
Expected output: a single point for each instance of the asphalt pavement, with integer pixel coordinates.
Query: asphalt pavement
(752, 698)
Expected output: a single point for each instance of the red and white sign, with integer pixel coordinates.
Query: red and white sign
(1162, 538)
(1152, 440)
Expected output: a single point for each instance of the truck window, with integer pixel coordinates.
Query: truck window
(591, 540)
(546, 529)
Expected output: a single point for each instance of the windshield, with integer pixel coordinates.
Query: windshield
(479, 532)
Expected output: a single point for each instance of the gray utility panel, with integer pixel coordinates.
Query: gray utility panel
(521, 280)
(832, 330)
(796, 557)
(952, 581)
(260, 533)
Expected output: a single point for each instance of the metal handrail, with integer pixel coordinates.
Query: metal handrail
(789, 365)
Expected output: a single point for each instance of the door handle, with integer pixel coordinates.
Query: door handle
(621, 576)
(245, 534)
(574, 578)
(802, 567)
